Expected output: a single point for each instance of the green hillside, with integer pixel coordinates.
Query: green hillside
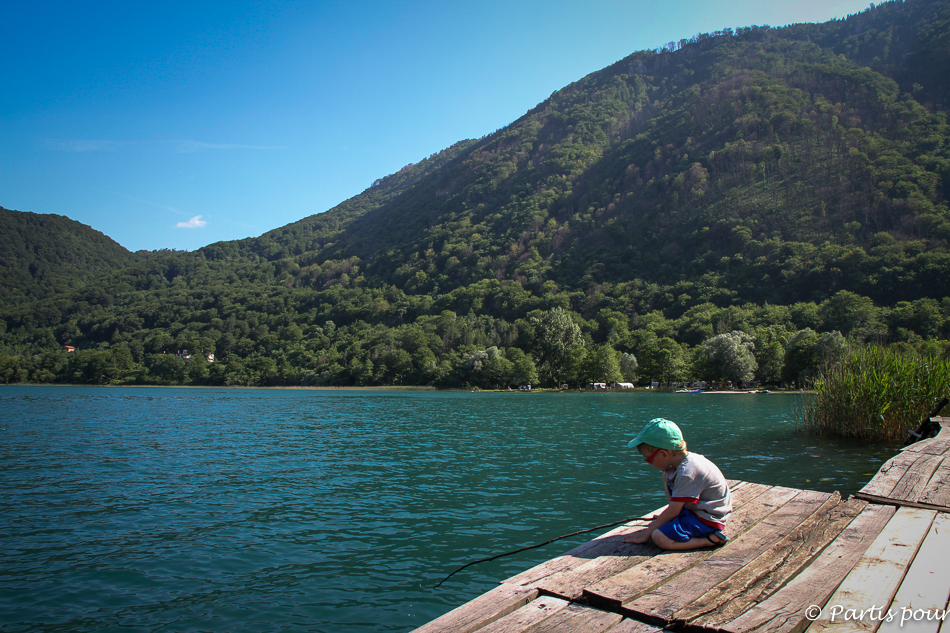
(742, 157)
(789, 184)
(42, 255)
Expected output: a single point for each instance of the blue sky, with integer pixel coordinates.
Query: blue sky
(175, 125)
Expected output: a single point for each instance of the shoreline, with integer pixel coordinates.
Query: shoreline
(641, 391)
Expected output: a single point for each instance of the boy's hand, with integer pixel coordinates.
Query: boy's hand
(639, 537)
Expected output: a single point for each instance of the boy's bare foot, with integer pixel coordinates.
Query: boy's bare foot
(638, 538)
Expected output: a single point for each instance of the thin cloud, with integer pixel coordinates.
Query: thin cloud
(83, 145)
(193, 223)
(181, 146)
(189, 146)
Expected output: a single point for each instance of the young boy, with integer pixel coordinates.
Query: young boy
(699, 498)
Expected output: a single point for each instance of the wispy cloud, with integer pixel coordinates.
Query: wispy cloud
(181, 146)
(189, 146)
(83, 145)
(193, 223)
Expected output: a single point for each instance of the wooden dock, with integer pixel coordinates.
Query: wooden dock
(796, 560)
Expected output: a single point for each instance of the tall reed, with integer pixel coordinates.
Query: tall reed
(875, 393)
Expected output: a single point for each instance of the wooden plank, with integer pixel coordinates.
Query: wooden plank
(614, 591)
(875, 579)
(483, 610)
(634, 626)
(926, 586)
(913, 484)
(770, 571)
(784, 611)
(897, 503)
(527, 616)
(576, 618)
(889, 475)
(938, 489)
(665, 601)
(570, 584)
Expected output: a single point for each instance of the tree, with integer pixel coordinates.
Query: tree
(848, 313)
(800, 357)
(523, 371)
(628, 367)
(770, 353)
(393, 366)
(555, 337)
(672, 361)
(661, 359)
(167, 368)
(603, 364)
(830, 346)
(488, 369)
(732, 355)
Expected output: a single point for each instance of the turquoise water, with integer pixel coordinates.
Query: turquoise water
(272, 510)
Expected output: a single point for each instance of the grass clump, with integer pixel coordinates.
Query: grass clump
(875, 393)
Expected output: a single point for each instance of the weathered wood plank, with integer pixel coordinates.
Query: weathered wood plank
(570, 583)
(576, 618)
(633, 626)
(898, 503)
(483, 610)
(913, 484)
(527, 616)
(938, 489)
(765, 575)
(784, 611)
(614, 591)
(665, 601)
(926, 586)
(875, 579)
(889, 475)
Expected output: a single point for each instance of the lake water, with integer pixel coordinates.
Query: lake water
(272, 510)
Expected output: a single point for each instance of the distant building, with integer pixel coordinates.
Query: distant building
(69, 348)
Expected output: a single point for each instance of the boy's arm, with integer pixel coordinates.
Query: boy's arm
(671, 512)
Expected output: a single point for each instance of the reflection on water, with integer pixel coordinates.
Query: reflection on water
(263, 510)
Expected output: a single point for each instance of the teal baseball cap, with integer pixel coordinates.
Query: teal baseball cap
(661, 433)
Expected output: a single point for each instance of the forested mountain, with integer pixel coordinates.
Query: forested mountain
(774, 184)
(42, 255)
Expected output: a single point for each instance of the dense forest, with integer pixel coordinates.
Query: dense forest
(733, 206)
(45, 255)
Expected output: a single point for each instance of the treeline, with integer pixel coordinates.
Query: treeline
(488, 335)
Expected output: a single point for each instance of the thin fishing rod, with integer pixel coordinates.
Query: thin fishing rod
(557, 538)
